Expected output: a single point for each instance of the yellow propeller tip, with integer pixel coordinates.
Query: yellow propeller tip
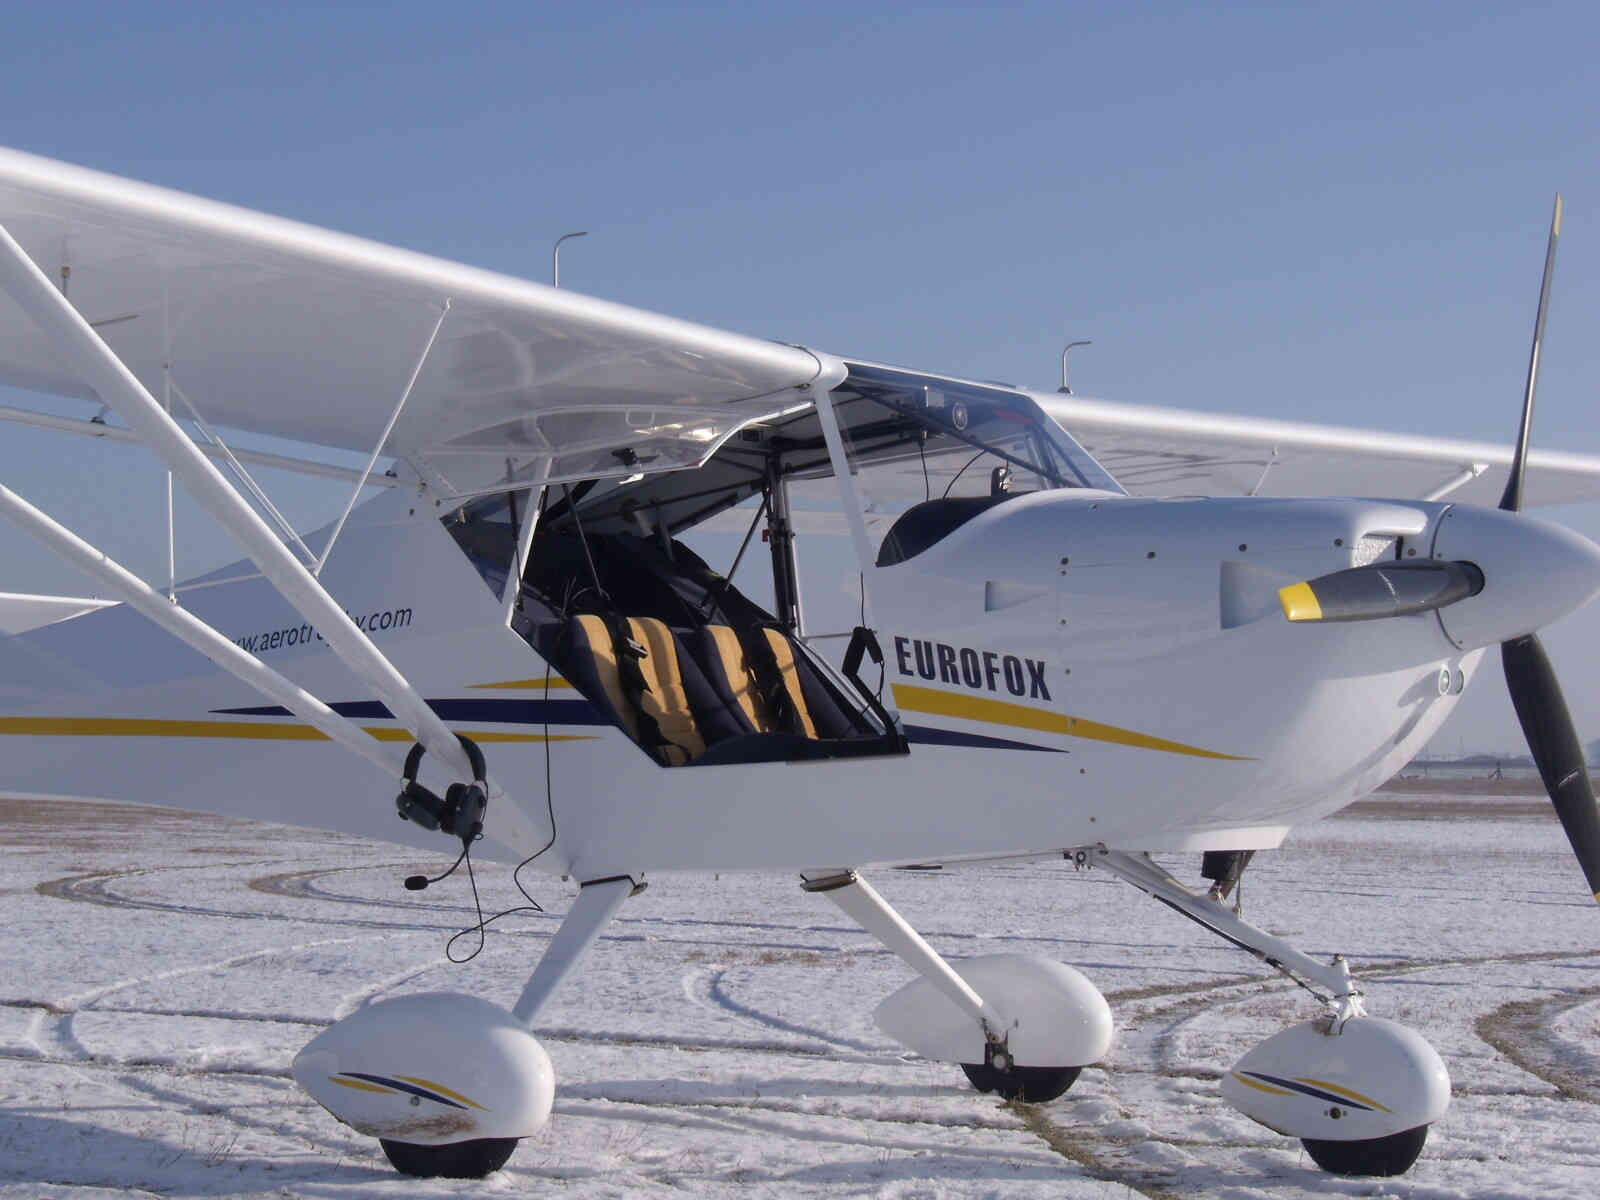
(1300, 602)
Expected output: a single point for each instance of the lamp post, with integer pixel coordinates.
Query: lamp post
(1070, 345)
(555, 256)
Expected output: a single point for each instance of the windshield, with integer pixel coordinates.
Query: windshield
(962, 429)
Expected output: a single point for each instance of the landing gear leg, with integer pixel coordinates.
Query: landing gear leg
(1358, 1091)
(596, 904)
(1043, 1011)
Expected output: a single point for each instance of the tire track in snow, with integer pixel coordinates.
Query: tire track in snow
(717, 997)
(53, 1025)
(1518, 1026)
(1523, 1031)
(96, 887)
(52, 1032)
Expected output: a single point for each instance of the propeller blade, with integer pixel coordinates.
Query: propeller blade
(1390, 589)
(1547, 725)
(1511, 498)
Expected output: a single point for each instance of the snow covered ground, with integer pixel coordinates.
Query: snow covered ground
(162, 969)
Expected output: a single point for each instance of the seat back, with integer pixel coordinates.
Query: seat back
(728, 670)
(665, 699)
(648, 696)
(789, 673)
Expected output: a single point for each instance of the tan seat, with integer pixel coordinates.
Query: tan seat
(721, 648)
(666, 701)
(783, 651)
(663, 700)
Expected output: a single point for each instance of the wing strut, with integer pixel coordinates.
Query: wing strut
(115, 433)
(194, 632)
(119, 388)
(383, 437)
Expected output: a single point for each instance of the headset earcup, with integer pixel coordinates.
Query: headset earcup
(463, 816)
(417, 803)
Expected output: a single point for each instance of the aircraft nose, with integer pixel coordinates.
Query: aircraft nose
(1534, 572)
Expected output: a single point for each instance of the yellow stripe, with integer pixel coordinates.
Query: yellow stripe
(248, 730)
(360, 1086)
(441, 1089)
(1300, 602)
(1020, 716)
(147, 727)
(478, 735)
(1340, 1091)
(525, 685)
(1262, 1087)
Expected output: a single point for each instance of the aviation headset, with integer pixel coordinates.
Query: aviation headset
(460, 813)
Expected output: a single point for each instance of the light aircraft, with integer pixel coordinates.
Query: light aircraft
(1085, 629)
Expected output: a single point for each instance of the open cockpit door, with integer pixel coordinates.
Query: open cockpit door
(684, 656)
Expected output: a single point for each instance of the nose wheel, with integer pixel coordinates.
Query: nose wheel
(1032, 1085)
(454, 1160)
(1392, 1155)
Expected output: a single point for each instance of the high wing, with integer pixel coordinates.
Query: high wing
(1155, 451)
(276, 327)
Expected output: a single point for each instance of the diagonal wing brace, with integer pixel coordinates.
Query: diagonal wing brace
(194, 632)
(120, 389)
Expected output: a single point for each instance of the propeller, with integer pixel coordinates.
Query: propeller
(1553, 741)
(1531, 680)
(1395, 589)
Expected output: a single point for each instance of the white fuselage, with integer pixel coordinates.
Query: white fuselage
(1070, 668)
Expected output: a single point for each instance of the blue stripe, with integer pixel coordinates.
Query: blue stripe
(1304, 1090)
(401, 1086)
(477, 710)
(928, 735)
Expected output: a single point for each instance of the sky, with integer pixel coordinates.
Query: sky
(1320, 213)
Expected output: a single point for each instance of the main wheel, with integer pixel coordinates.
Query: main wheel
(1033, 1085)
(1392, 1155)
(454, 1160)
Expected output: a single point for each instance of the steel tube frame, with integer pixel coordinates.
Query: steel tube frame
(1464, 476)
(119, 388)
(530, 526)
(194, 632)
(831, 375)
(383, 437)
(860, 901)
(1144, 874)
(597, 902)
(290, 533)
(110, 433)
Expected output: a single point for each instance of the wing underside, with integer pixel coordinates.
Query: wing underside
(274, 327)
(1178, 452)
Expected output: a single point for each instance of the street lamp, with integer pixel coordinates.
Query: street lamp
(1070, 345)
(555, 256)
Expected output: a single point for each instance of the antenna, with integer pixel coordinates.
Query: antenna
(555, 256)
(1064, 388)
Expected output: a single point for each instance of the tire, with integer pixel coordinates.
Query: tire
(454, 1160)
(981, 1076)
(1031, 1085)
(1392, 1155)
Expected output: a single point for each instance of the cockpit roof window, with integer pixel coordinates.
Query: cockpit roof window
(921, 436)
(1000, 421)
